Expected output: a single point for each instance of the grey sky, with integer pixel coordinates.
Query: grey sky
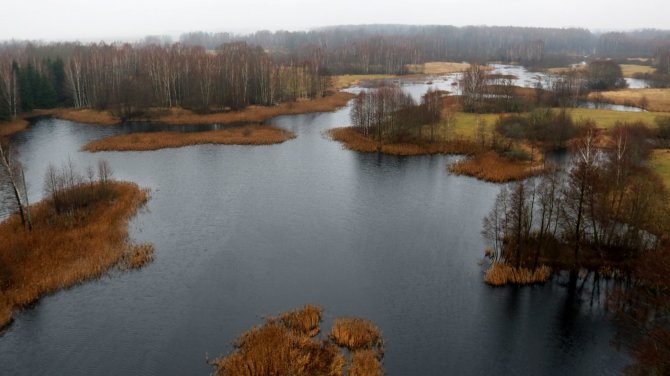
(129, 19)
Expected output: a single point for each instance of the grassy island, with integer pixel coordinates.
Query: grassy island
(78, 238)
(182, 116)
(245, 135)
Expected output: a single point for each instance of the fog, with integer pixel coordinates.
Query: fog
(90, 20)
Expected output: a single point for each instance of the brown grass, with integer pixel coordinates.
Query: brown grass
(305, 321)
(657, 99)
(348, 80)
(630, 70)
(82, 116)
(63, 250)
(437, 67)
(11, 127)
(500, 274)
(354, 140)
(284, 346)
(365, 363)
(490, 166)
(138, 255)
(245, 135)
(181, 116)
(356, 334)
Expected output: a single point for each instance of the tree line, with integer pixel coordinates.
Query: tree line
(607, 208)
(128, 80)
(389, 114)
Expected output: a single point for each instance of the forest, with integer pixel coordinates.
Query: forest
(214, 72)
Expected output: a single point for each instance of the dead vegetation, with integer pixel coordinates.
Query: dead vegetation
(356, 334)
(11, 127)
(356, 141)
(181, 116)
(245, 135)
(500, 274)
(288, 345)
(490, 166)
(68, 246)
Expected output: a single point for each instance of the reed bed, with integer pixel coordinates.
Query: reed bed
(87, 116)
(356, 141)
(347, 80)
(365, 363)
(490, 166)
(500, 274)
(437, 67)
(356, 334)
(65, 249)
(286, 345)
(305, 321)
(245, 135)
(11, 127)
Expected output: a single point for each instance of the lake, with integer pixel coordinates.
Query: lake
(242, 232)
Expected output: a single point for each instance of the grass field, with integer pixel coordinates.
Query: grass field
(657, 99)
(629, 70)
(437, 68)
(607, 118)
(660, 164)
(11, 127)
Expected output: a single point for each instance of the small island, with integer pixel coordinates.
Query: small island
(244, 135)
(78, 233)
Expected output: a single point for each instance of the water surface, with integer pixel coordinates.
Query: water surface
(242, 232)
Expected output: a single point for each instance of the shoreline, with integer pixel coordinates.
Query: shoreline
(62, 251)
(180, 116)
(482, 164)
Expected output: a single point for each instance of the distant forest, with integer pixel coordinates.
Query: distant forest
(217, 71)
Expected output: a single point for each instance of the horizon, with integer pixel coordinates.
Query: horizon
(78, 20)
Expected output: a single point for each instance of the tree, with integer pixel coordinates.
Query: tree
(604, 75)
(13, 180)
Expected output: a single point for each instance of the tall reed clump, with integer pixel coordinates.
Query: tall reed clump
(500, 274)
(288, 345)
(77, 235)
(245, 135)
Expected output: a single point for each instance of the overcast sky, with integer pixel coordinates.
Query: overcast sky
(130, 19)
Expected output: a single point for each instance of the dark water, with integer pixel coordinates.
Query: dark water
(242, 232)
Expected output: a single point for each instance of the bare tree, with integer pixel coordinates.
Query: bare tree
(11, 174)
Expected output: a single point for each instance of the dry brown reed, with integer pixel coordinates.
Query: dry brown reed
(365, 363)
(283, 346)
(657, 99)
(245, 135)
(87, 116)
(181, 116)
(305, 321)
(356, 334)
(65, 249)
(490, 166)
(500, 274)
(11, 127)
(138, 255)
(356, 141)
